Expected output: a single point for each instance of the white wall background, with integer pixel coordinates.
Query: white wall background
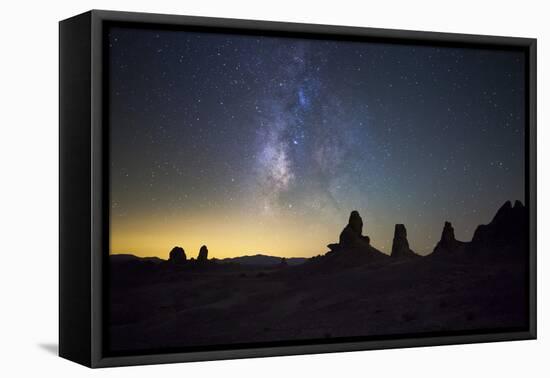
(29, 174)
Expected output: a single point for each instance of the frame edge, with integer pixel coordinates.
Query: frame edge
(98, 17)
(74, 192)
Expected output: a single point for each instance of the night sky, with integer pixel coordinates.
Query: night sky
(254, 144)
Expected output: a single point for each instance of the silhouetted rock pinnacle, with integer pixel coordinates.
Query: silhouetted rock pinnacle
(351, 237)
(448, 234)
(177, 256)
(352, 250)
(400, 247)
(203, 254)
(448, 243)
(356, 222)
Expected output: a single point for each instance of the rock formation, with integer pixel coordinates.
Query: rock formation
(352, 250)
(203, 254)
(351, 236)
(448, 243)
(507, 230)
(509, 227)
(400, 247)
(448, 234)
(177, 256)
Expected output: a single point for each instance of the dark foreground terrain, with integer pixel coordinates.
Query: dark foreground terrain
(353, 290)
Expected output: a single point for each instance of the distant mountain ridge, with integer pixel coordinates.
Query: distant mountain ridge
(262, 260)
(128, 257)
(248, 260)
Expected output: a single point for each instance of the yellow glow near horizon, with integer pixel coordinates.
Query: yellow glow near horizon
(231, 232)
(229, 236)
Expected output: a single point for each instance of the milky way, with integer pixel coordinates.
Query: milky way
(303, 137)
(265, 144)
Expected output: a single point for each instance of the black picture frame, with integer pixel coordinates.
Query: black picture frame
(84, 194)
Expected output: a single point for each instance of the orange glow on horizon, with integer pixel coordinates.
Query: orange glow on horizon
(229, 236)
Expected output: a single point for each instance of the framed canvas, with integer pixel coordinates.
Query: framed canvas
(233, 188)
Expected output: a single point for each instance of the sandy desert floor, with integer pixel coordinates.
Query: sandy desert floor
(153, 306)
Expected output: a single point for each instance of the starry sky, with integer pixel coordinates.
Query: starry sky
(261, 144)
